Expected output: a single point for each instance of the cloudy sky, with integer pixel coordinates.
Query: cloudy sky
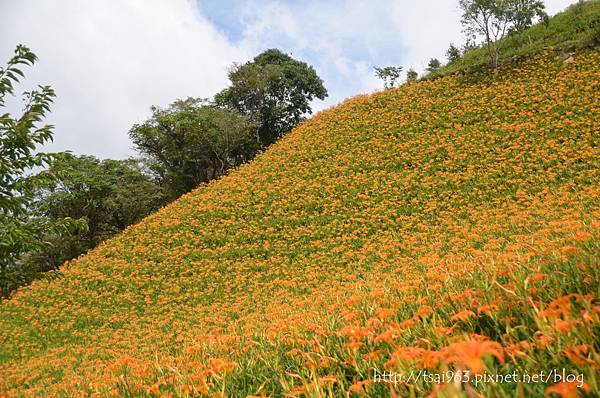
(110, 60)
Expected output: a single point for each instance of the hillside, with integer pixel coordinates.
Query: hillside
(577, 27)
(447, 225)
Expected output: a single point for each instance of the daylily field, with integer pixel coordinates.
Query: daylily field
(448, 226)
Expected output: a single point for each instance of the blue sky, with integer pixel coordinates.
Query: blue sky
(110, 60)
(226, 16)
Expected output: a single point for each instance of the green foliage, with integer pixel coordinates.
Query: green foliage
(389, 74)
(524, 13)
(494, 19)
(19, 136)
(576, 27)
(433, 65)
(192, 142)
(453, 53)
(411, 75)
(275, 90)
(108, 194)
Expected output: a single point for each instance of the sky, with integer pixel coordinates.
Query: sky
(110, 60)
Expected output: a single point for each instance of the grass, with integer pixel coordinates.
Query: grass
(448, 226)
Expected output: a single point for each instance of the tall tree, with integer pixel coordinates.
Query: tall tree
(494, 19)
(191, 142)
(19, 137)
(275, 90)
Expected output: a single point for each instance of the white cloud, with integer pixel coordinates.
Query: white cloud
(109, 60)
(427, 28)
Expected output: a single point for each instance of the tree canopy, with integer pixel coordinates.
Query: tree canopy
(411, 75)
(19, 137)
(433, 65)
(192, 141)
(494, 19)
(275, 90)
(108, 194)
(453, 53)
(389, 74)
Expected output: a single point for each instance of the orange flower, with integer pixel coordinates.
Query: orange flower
(424, 311)
(564, 327)
(327, 380)
(125, 360)
(471, 353)
(359, 387)
(384, 313)
(537, 277)
(220, 365)
(388, 336)
(463, 315)
(569, 250)
(542, 340)
(566, 390)
(353, 345)
(154, 389)
(371, 356)
(487, 309)
(579, 356)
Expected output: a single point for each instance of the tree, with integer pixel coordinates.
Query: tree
(453, 53)
(19, 136)
(275, 90)
(191, 142)
(389, 74)
(108, 194)
(433, 65)
(525, 12)
(494, 19)
(411, 75)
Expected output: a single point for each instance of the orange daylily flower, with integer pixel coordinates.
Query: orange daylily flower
(566, 390)
(471, 353)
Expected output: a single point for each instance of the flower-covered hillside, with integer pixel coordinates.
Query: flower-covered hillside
(447, 226)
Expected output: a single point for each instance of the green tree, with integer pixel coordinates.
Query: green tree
(433, 65)
(275, 90)
(494, 19)
(411, 75)
(389, 74)
(453, 53)
(108, 194)
(525, 12)
(191, 142)
(19, 137)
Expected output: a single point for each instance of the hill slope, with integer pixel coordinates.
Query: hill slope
(445, 225)
(578, 26)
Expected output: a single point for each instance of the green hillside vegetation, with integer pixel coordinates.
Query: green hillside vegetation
(447, 227)
(576, 27)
